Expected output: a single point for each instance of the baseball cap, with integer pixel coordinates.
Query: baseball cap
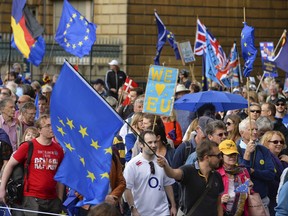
(280, 99)
(113, 62)
(203, 121)
(228, 147)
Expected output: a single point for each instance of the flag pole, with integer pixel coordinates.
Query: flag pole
(261, 80)
(283, 35)
(247, 86)
(192, 72)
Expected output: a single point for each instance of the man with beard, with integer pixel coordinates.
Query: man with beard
(199, 180)
(146, 182)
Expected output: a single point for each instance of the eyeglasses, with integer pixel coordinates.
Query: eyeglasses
(280, 104)
(275, 142)
(222, 134)
(152, 167)
(257, 111)
(228, 123)
(47, 126)
(219, 156)
(231, 155)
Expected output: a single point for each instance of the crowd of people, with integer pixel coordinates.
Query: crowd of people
(189, 163)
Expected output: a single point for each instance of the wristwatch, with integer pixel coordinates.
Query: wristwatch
(132, 207)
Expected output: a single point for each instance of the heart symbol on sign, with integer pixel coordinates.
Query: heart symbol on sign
(159, 88)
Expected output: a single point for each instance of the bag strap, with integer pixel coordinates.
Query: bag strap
(28, 161)
(208, 187)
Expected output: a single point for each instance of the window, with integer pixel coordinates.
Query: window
(84, 7)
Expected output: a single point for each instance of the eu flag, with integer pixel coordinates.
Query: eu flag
(27, 33)
(249, 52)
(75, 34)
(281, 58)
(85, 126)
(163, 34)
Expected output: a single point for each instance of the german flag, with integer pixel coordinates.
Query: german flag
(27, 33)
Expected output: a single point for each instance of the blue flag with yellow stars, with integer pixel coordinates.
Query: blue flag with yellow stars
(75, 34)
(249, 52)
(85, 125)
(163, 35)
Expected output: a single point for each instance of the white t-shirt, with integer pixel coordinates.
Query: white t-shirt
(147, 189)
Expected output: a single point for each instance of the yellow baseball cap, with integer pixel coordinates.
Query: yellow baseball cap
(228, 147)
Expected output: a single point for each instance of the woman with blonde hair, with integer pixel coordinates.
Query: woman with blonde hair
(275, 142)
(131, 137)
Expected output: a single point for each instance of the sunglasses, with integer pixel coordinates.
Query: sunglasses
(275, 142)
(219, 156)
(257, 111)
(222, 134)
(228, 123)
(280, 104)
(152, 168)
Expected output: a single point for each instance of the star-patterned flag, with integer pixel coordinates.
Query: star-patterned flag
(85, 125)
(249, 52)
(243, 188)
(75, 34)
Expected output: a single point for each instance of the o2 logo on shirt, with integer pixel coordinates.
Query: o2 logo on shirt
(153, 182)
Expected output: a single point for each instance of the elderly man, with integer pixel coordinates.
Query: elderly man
(26, 118)
(256, 158)
(8, 121)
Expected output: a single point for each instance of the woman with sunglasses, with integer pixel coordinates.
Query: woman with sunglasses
(232, 123)
(233, 203)
(274, 141)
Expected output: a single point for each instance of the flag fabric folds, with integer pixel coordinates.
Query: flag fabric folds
(200, 39)
(163, 35)
(243, 188)
(129, 84)
(85, 125)
(249, 52)
(234, 64)
(281, 58)
(75, 34)
(27, 33)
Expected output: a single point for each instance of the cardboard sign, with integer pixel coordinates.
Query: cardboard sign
(160, 90)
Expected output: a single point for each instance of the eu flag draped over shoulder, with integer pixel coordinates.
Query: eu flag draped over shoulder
(249, 52)
(27, 33)
(163, 34)
(85, 126)
(75, 34)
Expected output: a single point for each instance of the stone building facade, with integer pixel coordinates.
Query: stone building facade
(126, 31)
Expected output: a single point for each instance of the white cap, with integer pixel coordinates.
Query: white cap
(181, 88)
(113, 62)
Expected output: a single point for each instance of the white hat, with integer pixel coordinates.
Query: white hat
(113, 62)
(181, 88)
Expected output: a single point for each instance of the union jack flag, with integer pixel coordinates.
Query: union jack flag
(200, 45)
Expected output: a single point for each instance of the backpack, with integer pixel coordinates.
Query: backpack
(15, 185)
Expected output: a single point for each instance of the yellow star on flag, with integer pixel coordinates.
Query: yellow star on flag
(80, 43)
(82, 160)
(83, 131)
(68, 146)
(86, 38)
(81, 18)
(70, 123)
(68, 44)
(245, 44)
(67, 25)
(60, 120)
(91, 176)
(60, 130)
(105, 175)
(95, 144)
(108, 150)
(74, 15)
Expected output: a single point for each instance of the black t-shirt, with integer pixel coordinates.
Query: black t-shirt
(193, 186)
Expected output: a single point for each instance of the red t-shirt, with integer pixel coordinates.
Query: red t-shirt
(44, 163)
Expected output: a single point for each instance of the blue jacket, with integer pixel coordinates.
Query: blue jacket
(262, 163)
(282, 207)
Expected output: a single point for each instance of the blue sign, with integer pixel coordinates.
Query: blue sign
(267, 54)
(160, 90)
